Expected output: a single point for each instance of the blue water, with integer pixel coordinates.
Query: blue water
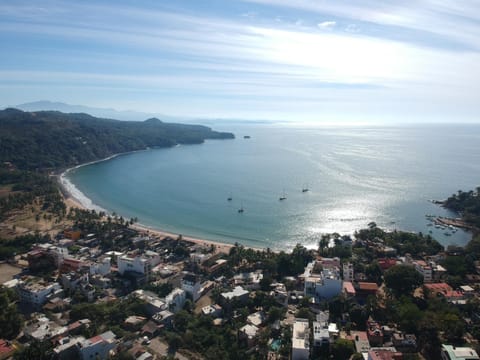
(355, 176)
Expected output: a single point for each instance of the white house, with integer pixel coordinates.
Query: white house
(321, 335)
(176, 300)
(97, 347)
(36, 293)
(101, 268)
(348, 272)
(191, 284)
(323, 285)
(300, 340)
(136, 264)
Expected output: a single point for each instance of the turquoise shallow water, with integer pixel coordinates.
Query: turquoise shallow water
(355, 175)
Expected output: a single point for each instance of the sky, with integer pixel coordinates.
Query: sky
(335, 61)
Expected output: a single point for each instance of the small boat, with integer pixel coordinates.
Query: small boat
(305, 189)
(230, 198)
(241, 210)
(246, 137)
(447, 234)
(283, 197)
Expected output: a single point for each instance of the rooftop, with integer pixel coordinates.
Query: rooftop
(460, 353)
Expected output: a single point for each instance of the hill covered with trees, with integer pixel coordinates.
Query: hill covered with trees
(51, 139)
(466, 203)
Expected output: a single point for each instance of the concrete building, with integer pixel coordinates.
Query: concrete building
(176, 300)
(424, 269)
(238, 293)
(102, 267)
(321, 336)
(135, 264)
(450, 352)
(36, 293)
(324, 285)
(97, 347)
(191, 284)
(301, 340)
(348, 272)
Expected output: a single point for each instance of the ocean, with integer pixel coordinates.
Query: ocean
(355, 175)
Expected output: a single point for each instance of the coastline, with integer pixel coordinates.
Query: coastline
(74, 198)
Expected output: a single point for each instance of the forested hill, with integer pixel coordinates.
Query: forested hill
(51, 139)
(468, 204)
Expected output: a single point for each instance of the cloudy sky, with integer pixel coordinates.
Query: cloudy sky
(305, 60)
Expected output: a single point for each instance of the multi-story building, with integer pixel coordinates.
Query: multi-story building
(321, 336)
(136, 264)
(97, 347)
(175, 300)
(301, 340)
(348, 272)
(36, 293)
(325, 284)
(450, 352)
(191, 284)
(424, 269)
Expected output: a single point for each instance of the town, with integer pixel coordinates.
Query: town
(105, 290)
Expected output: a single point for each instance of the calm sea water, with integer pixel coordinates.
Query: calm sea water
(355, 176)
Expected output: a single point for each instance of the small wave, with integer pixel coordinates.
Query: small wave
(74, 192)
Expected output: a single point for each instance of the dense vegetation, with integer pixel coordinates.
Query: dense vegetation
(51, 139)
(468, 204)
(26, 187)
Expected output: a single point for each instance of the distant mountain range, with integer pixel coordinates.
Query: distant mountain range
(105, 113)
(129, 115)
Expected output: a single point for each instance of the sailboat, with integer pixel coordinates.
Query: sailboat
(305, 189)
(241, 209)
(283, 197)
(230, 198)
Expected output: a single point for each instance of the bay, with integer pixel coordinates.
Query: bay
(355, 175)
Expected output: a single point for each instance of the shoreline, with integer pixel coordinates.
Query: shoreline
(73, 197)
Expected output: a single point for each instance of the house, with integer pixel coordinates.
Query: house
(151, 329)
(424, 269)
(365, 289)
(214, 311)
(238, 293)
(153, 303)
(6, 349)
(164, 318)
(386, 263)
(97, 347)
(176, 300)
(321, 335)
(35, 292)
(324, 284)
(384, 353)
(404, 342)
(136, 264)
(374, 333)
(249, 334)
(250, 281)
(348, 289)
(301, 340)
(191, 284)
(348, 272)
(257, 318)
(450, 352)
(68, 348)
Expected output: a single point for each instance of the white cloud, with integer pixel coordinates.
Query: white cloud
(327, 24)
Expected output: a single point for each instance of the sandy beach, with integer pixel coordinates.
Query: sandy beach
(72, 202)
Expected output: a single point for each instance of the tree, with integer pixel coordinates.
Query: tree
(342, 349)
(402, 279)
(374, 272)
(10, 320)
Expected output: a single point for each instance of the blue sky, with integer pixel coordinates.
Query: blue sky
(327, 61)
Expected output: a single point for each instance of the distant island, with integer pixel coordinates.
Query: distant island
(51, 139)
